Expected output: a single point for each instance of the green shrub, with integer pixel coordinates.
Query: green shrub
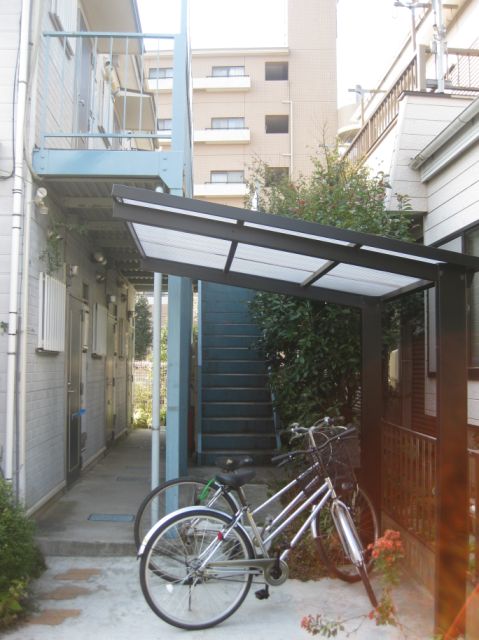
(20, 558)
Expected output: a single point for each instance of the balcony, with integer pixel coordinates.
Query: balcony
(208, 83)
(95, 114)
(222, 83)
(462, 80)
(222, 136)
(220, 190)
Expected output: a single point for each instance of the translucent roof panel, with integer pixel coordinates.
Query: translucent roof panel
(178, 246)
(265, 270)
(280, 258)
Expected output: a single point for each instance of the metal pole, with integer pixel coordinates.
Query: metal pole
(440, 44)
(156, 400)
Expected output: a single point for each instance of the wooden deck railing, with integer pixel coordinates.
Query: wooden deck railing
(462, 79)
(384, 116)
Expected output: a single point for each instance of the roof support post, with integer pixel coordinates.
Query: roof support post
(452, 457)
(371, 402)
(179, 341)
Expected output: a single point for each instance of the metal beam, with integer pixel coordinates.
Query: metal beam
(452, 516)
(275, 240)
(252, 282)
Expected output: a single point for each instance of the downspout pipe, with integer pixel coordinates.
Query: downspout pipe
(17, 214)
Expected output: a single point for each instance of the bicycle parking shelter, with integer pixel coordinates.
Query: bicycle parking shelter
(238, 247)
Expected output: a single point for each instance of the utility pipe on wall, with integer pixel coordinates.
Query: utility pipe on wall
(17, 212)
(156, 382)
(440, 38)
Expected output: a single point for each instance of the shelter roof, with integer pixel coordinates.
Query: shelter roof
(240, 247)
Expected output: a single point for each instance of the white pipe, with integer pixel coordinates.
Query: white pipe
(17, 209)
(156, 382)
(24, 346)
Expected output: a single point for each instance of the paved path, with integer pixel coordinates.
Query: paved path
(100, 599)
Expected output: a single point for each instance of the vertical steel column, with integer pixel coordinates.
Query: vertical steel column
(452, 457)
(179, 340)
(371, 402)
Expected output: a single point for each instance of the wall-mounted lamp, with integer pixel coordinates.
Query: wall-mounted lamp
(39, 200)
(72, 270)
(99, 257)
(110, 299)
(100, 277)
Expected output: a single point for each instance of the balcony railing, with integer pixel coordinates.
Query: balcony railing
(462, 79)
(94, 93)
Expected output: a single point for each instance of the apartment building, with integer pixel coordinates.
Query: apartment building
(83, 121)
(275, 104)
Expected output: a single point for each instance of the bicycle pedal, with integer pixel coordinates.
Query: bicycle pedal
(262, 594)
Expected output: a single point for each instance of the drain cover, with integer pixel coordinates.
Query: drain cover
(111, 517)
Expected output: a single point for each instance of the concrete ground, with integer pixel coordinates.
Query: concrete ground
(91, 587)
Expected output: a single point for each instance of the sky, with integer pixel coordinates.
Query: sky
(365, 27)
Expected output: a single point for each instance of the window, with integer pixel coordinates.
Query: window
(227, 123)
(99, 330)
(227, 176)
(156, 73)
(275, 175)
(277, 124)
(275, 70)
(163, 124)
(227, 71)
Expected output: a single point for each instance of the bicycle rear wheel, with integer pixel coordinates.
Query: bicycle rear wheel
(177, 579)
(328, 543)
(176, 494)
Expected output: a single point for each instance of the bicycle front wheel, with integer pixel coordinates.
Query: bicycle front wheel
(179, 577)
(328, 543)
(176, 494)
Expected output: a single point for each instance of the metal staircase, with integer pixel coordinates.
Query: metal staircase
(236, 413)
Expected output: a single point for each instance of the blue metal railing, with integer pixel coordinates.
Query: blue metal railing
(94, 90)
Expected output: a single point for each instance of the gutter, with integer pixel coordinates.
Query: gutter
(462, 120)
(17, 216)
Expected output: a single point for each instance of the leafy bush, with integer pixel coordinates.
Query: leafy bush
(20, 558)
(313, 347)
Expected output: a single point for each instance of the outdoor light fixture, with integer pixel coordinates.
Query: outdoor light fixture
(99, 257)
(110, 299)
(73, 270)
(39, 200)
(100, 277)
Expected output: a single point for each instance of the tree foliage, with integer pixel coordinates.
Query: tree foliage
(143, 328)
(314, 347)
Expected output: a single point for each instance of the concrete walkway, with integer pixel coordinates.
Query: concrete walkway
(91, 588)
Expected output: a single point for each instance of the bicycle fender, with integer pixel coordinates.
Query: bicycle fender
(183, 511)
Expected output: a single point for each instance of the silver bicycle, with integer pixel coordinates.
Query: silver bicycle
(198, 563)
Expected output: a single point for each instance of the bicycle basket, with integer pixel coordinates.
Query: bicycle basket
(337, 458)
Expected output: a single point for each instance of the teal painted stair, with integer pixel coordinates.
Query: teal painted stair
(236, 408)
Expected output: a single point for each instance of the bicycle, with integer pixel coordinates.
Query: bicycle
(198, 563)
(190, 491)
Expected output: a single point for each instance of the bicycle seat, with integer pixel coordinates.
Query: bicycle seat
(236, 480)
(231, 463)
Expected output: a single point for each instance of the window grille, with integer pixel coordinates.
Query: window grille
(99, 327)
(51, 314)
